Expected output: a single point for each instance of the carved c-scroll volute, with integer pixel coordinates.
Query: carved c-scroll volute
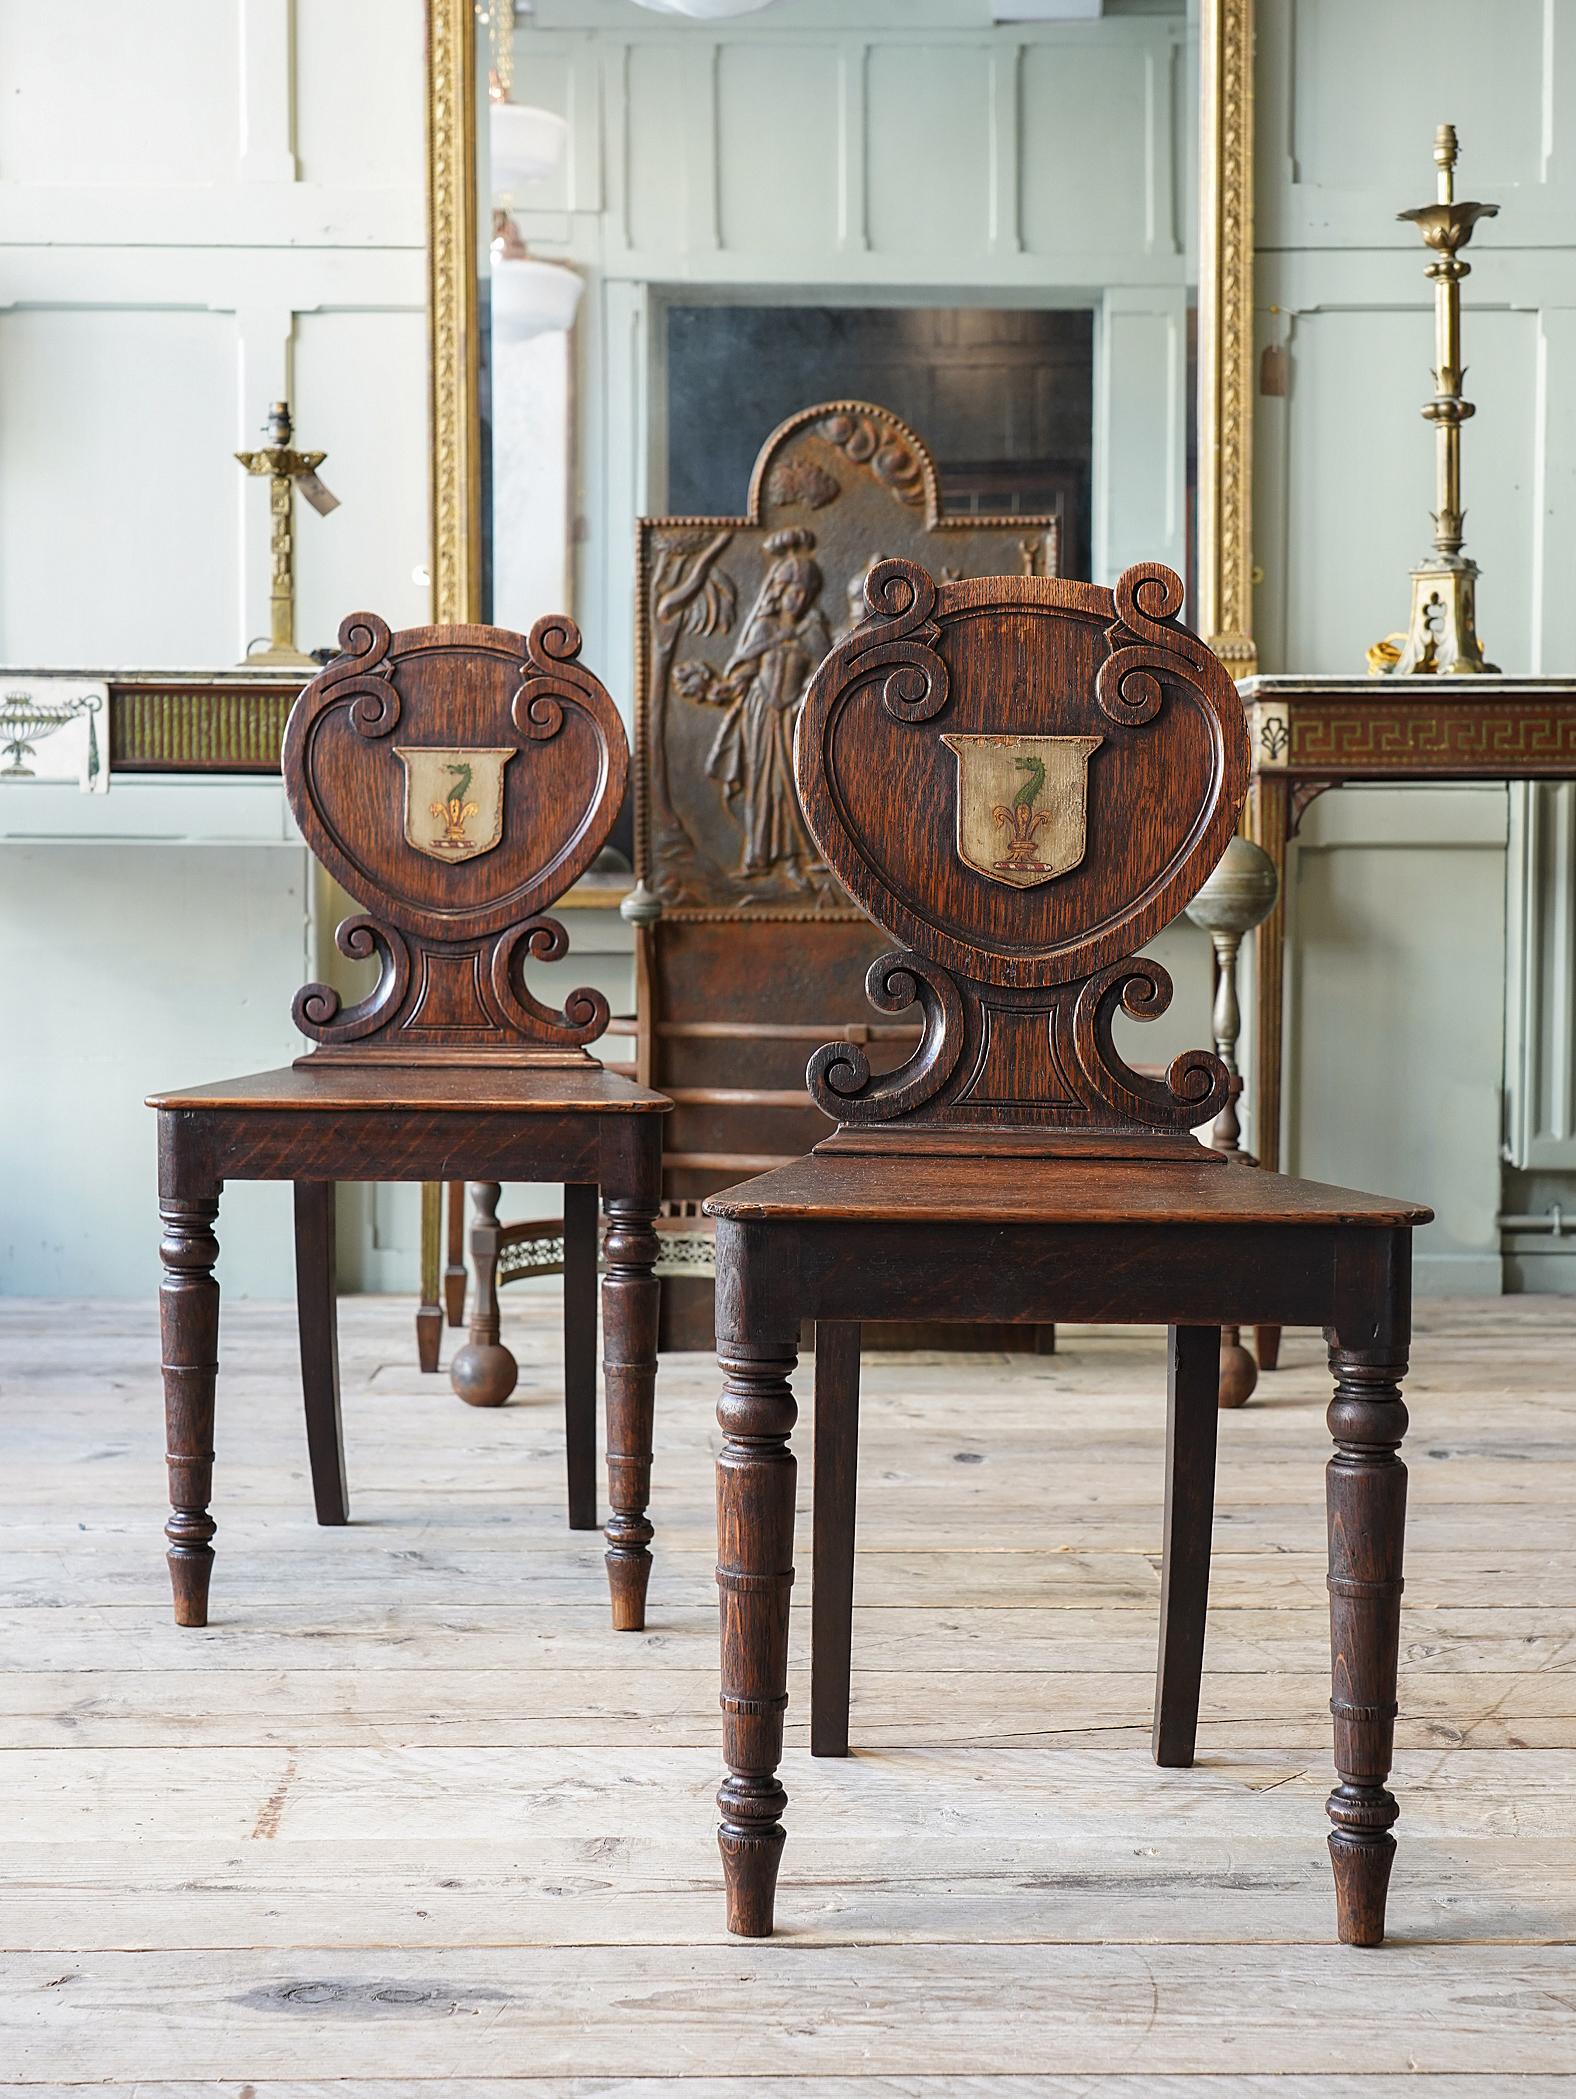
(733, 616)
(1023, 780)
(456, 781)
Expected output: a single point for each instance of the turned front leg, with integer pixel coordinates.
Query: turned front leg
(756, 1473)
(629, 1377)
(1366, 1495)
(189, 1346)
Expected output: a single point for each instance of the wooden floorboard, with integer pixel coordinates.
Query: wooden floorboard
(407, 1818)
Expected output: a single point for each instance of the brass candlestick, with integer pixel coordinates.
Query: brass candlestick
(1442, 636)
(284, 467)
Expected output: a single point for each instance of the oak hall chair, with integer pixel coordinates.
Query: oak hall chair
(456, 781)
(1023, 780)
(748, 953)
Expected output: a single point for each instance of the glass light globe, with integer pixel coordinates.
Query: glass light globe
(523, 143)
(532, 298)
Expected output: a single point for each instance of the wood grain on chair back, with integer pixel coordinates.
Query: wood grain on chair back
(757, 952)
(456, 781)
(1024, 780)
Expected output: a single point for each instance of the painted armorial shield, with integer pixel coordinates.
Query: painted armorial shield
(455, 780)
(1022, 804)
(453, 799)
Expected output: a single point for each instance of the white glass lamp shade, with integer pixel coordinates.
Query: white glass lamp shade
(532, 298)
(524, 144)
(705, 10)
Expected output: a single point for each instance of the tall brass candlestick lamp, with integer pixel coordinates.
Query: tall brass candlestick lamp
(1442, 636)
(284, 468)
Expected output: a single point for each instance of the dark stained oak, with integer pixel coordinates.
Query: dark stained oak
(749, 951)
(580, 1289)
(456, 780)
(1192, 1414)
(836, 1488)
(317, 1316)
(1024, 780)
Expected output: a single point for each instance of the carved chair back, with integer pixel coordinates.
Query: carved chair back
(456, 781)
(756, 945)
(1023, 780)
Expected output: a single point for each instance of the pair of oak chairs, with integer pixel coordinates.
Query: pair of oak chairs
(1021, 780)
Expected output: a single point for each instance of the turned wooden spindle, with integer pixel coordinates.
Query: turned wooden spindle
(484, 1372)
(189, 1345)
(1238, 895)
(756, 1475)
(630, 1297)
(1365, 1487)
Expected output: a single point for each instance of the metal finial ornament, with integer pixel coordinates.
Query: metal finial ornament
(284, 467)
(1442, 636)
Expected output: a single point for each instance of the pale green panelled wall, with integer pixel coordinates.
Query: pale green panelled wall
(864, 152)
(1403, 982)
(870, 153)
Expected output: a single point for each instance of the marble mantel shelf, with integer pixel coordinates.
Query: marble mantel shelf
(189, 721)
(167, 729)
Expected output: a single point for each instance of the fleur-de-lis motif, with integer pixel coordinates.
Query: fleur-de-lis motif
(456, 812)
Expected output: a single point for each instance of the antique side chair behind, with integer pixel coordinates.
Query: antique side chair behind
(456, 780)
(1024, 780)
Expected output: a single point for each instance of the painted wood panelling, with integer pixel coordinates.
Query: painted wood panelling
(203, 204)
(1348, 97)
(867, 153)
(81, 391)
(1397, 959)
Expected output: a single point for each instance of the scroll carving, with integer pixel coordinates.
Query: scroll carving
(318, 1009)
(550, 677)
(900, 597)
(1197, 1085)
(1126, 685)
(838, 1074)
(455, 835)
(360, 674)
(585, 1013)
(1132, 736)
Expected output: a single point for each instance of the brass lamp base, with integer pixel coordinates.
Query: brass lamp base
(1442, 637)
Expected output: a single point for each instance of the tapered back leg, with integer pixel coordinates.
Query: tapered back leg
(1192, 1416)
(580, 1247)
(832, 1573)
(317, 1316)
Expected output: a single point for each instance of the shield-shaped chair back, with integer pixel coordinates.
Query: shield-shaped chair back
(456, 781)
(1023, 780)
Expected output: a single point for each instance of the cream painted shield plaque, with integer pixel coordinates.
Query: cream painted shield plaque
(453, 800)
(1021, 804)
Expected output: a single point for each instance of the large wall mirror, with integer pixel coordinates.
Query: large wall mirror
(659, 227)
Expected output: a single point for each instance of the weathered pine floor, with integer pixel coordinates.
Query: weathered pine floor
(407, 1817)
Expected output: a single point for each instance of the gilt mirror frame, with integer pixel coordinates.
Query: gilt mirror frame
(1224, 613)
